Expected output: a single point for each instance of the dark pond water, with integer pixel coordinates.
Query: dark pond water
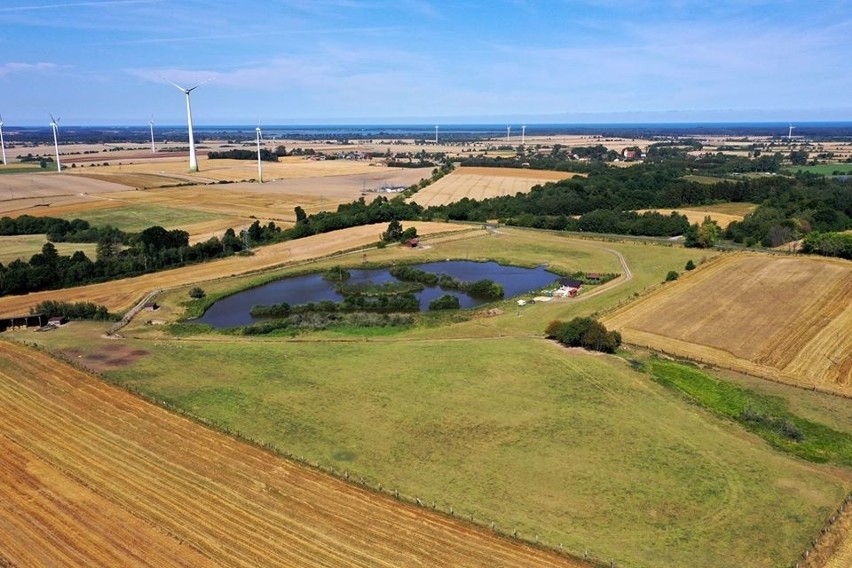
(234, 310)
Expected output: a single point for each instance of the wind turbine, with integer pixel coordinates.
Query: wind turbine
(193, 161)
(436, 134)
(508, 132)
(259, 166)
(790, 133)
(54, 123)
(151, 124)
(523, 133)
(2, 143)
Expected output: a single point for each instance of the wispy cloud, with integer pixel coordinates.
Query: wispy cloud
(65, 5)
(14, 67)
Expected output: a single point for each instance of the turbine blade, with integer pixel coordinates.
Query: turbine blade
(175, 85)
(52, 120)
(199, 84)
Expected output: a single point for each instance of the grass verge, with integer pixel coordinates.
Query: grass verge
(767, 416)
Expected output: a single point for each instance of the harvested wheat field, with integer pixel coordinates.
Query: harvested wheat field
(482, 183)
(120, 295)
(698, 215)
(779, 318)
(93, 476)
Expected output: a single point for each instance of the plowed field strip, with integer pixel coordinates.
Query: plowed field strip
(79, 456)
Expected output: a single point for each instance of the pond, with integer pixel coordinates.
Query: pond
(234, 310)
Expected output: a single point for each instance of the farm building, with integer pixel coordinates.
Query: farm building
(56, 321)
(568, 288)
(31, 320)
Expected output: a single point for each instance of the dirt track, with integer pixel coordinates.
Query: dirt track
(93, 476)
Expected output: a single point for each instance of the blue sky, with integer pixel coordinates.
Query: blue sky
(425, 61)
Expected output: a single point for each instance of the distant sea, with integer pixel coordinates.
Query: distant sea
(449, 132)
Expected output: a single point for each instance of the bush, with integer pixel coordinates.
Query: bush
(689, 265)
(445, 302)
(672, 276)
(197, 293)
(586, 333)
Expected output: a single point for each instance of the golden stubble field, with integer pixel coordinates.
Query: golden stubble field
(122, 294)
(780, 318)
(481, 183)
(91, 475)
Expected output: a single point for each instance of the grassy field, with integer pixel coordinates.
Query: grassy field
(481, 414)
(24, 246)
(824, 169)
(578, 449)
(787, 320)
(133, 218)
(93, 476)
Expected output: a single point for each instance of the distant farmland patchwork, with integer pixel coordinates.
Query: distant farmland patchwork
(780, 318)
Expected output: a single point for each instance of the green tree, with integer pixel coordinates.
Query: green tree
(394, 232)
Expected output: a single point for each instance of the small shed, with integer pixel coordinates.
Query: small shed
(56, 321)
(593, 276)
(570, 283)
(151, 306)
(412, 243)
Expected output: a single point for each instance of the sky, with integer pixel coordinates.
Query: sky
(296, 62)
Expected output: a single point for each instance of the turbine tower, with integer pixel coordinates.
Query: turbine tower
(151, 124)
(790, 133)
(523, 133)
(54, 123)
(508, 132)
(436, 134)
(259, 166)
(2, 143)
(193, 161)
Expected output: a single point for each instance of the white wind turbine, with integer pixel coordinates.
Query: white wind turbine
(2, 143)
(54, 123)
(193, 161)
(508, 132)
(523, 133)
(436, 134)
(151, 124)
(259, 165)
(790, 133)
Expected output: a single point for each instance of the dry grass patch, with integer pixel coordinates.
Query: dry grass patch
(482, 183)
(779, 318)
(698, 215)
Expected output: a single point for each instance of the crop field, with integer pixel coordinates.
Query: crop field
(780, 318)
(24, 246)
(482, 183)
(698, 215)
(121, 295)
(91, 475)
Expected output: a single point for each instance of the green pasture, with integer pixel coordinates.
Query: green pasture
(21, 169)
(133, 218)
(578, 449)
(25, 246)
(482, 415)
(824, 169)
